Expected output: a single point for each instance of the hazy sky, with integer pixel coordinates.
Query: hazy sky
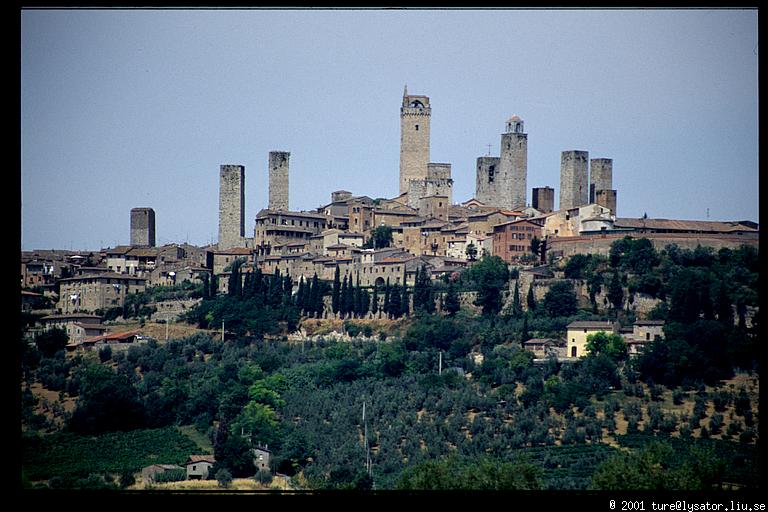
(139, 108)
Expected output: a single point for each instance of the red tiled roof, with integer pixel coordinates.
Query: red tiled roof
(201, 458)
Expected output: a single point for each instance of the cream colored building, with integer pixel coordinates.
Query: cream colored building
(578, 331)
(92, 292)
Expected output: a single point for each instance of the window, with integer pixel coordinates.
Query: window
(417, 127)
(573, 351)
(647, 336)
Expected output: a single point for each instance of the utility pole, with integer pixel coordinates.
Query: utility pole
(440, 364)
(222, 331)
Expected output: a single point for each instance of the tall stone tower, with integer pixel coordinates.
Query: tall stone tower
(574, 185)
(600, 176)
(142, 227)
(487, 179)
(231, 206)
(501, 181)
(278, 180)
(513, 165)
(415, 115)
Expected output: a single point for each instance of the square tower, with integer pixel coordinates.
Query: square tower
(513, 165)
(600, 176)
(142, 227)
(231, 206)
(415, 115)
(486, 183)
(278, 180)
(574, 183)
(543, 199)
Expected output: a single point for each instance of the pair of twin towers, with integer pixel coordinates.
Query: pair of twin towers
(232, 198)
(501, 181)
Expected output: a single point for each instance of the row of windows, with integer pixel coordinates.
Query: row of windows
(518, 248)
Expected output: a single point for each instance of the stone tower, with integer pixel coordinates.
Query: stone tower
(415, 114)
(513, 165)
(501, 181)
(231, 206)
(278, 180)
(543, 199)
(487, 174)
(142, 227)
(574, 183)
(607, 198)
(600, 176)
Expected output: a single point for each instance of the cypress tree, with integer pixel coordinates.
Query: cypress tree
(300, 295)
(428, 292)
(316, 298)
(395, 301)
(404, 301)
(365, 303)
(451, 303)
(206, 286)
(531, 299)
(234, 280)
(517, 309)
(418, 296)
(214, 286)
(336, 290)
(357, 301)
(343, 299)
(387, 293)
(375, 300)
(525, 336)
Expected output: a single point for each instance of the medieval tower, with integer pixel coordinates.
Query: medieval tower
(142, 227)
(278, 180)
(600, 176)
(501, 181)
(231, 206)
(415, 114)
(574, 184)
(543, 199)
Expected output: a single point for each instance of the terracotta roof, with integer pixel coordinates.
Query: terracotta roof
(683, 225)
(339, 246)
(143, 252)
(201, 458)
(120, 249)
(235, 250)
(105, 275)
(70, 316)
(590, 324)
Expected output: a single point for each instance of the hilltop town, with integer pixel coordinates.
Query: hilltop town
(473, 332)
(422, 226)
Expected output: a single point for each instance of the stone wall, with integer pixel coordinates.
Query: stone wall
(600, 176)
(511, 187)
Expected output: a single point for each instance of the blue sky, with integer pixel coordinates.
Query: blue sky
(139, 108)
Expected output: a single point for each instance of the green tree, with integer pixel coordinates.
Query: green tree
(381, 237)
(108, 402)
(491, 274)
(517, 308)
(224, 477)
(531, 299)
(616, 292)
(610, 344)
(478, 474)
(471, 251)
(336, 293)
(560, 300)
(451, 303)
(51, 341)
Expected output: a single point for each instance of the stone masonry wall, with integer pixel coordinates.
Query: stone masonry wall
(414, 141)
(511, 187)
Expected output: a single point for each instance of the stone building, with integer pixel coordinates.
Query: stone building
(606, 198)
(278, 180)
(231, 206)
(415, 115)
(578, 331)
(281, 227)
(142, 227)
(97, 291)
(78, 326)
(574, 185)
(543, 199)
(501, 181)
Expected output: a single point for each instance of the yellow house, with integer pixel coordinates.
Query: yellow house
(578, 332)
